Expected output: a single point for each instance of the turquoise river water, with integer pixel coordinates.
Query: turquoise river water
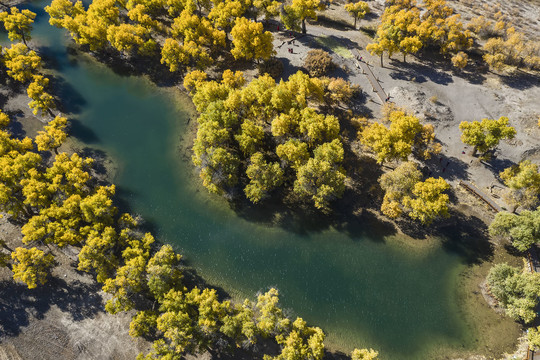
(362, 287)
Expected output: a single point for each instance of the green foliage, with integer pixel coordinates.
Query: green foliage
(487, 134)
(234, 138)
(516, 291)
(524, 181)
(533, 336)
(264, 177)
(318, 63)
(523, 229)
(322, 178)
(31, 266)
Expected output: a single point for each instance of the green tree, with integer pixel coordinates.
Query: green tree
(263, 176)
(18, 23)
(533, 336)
(523, 229)
(487, 134)
(516, 291)
(31, 266)
(397, 184)
(322, 179)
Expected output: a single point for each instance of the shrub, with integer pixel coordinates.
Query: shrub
(318, 63)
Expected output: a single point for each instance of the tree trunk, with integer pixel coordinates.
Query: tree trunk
(474, 151)
(24, 39)
(303, 26)
(404, 55)
(381, 60)
(355, 22)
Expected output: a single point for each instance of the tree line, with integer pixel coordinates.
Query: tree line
(407, 26)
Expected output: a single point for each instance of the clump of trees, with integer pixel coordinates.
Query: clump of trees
(266, 134)
(517, 291)
(406, 27)
(523, 229)
(404, 136)
(485, 135)
(406, 193)
(195, 33)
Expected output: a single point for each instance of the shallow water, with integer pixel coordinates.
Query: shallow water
(362, 287)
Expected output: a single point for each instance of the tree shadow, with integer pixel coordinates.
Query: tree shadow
(419, 72)
(336, 24)
(15, 127)
(82, 132)
(466, 236)
(80, 300)
(449, 168)
(520, 80)
(99, 157)
(497, 165)
(72, 101)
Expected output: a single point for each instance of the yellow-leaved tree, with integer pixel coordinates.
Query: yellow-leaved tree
(40, 99)
(18, 23)
(53, 135)
(250, 41)
(31, 266)
(358, 10)
(21, 62)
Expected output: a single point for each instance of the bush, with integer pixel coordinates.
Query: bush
(272, 67)
(318, 63)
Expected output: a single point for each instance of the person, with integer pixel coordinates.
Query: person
(278, 27)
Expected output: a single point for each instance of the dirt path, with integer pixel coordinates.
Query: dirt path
(371, 77)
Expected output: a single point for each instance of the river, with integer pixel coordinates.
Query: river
(361, 283)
